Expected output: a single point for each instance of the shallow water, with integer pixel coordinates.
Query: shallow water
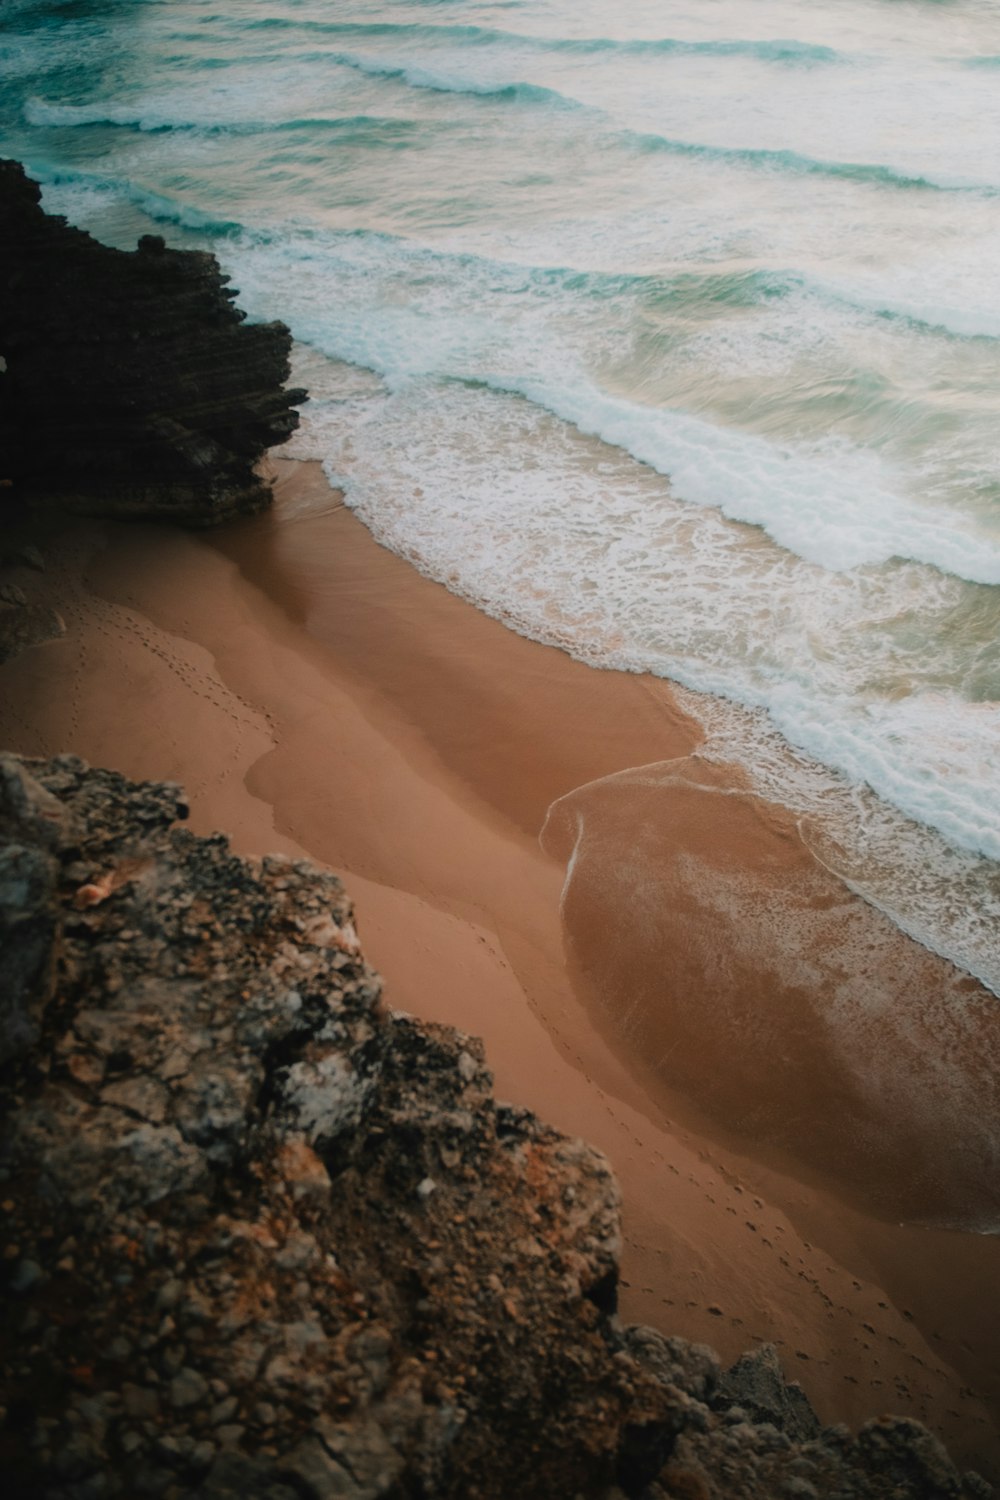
(667, 333)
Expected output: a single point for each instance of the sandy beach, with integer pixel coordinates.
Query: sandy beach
(778, 1076)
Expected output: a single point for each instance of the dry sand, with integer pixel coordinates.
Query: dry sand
(777, 1075)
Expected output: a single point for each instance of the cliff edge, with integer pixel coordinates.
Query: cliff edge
(130, 384)
(263, 1237)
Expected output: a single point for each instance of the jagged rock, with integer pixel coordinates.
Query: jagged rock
(131, 386)
(228, 1275)
(891, 1457)
(693, 1368)
(756, 1385)
(905, 1452)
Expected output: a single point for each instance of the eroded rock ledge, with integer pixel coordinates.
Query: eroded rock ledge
(265, 1238)
(132, 387)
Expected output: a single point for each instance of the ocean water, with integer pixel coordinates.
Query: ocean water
(665, 332)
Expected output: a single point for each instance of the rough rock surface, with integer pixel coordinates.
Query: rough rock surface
(132, 385)
(263, 1237)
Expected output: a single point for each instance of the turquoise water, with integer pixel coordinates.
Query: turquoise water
(668, 333)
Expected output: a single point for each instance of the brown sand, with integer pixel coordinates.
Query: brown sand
(315, 694)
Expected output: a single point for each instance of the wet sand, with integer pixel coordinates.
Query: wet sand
(742, 973)
(777, 1075)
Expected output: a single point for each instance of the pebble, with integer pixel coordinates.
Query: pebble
(467, 1067)
(223, 1412)
(140, 1402)
(202, 1454)
(231, 1435)
(27, 1275)
(187, 1388)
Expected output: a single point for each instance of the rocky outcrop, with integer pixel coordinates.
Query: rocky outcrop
(130, 384)
(263, 1237)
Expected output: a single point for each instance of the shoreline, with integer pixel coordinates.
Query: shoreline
(321, 697)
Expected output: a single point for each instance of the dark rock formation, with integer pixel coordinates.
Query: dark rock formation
(24, 623)
(265, 1238)
(132, 385)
